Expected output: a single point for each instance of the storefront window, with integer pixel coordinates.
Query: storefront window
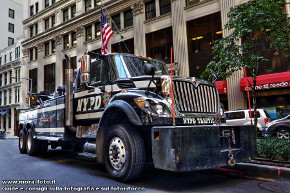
(158, 44)
(202, 33)
(49, 78)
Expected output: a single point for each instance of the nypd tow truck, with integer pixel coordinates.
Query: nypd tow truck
(128, 110)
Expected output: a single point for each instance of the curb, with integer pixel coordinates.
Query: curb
(265, 170)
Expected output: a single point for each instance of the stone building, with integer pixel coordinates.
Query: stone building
(146, 27)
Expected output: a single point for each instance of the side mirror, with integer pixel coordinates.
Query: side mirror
(149, 69)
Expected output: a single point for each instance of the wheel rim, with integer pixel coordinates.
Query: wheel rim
(283, 134)
(117, 153)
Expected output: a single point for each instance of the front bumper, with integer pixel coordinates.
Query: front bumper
(189, 148)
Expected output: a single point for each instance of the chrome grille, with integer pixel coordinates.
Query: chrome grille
(191, 99)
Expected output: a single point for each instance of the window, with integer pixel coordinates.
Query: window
(5, 59)
(52, 46)
(190, 2)
(49, 77)
(88, 5)
(9, 98)
(98, 30)
(46, 24)
(5, 97)
(74, 39)
(235, 115)
(0, 82)
(117, 22)
(36, 53)
(46, 49)
(11, 13)
(65, 15)
(10, 56)
(11, 27)
(17, 52)
(165, 6)
(0, 98)
(36, 7)
(73, 11)
(0, 63)
(150, 10)
(5, 78)
(10, 41)
(10, 77)
(36, 28)
(31, 54)
(65, 42)
(97, 3)
(33, 77)
(89, 33)
(31, 31)
(31, 10)
(46, 3)
(52, 1)
(128, 17)
(53, 21)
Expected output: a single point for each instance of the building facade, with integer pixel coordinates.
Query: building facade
(11, 21)
(10, 87)
(145, 27)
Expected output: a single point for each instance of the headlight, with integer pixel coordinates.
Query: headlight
(155, 107)
(269, 124)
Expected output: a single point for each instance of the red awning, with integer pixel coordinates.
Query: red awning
(221, 86)
(269, 81)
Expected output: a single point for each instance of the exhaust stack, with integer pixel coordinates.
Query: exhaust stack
(69, 93)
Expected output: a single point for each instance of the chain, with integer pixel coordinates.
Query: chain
(231, 161)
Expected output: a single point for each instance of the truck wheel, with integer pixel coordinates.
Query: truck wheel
(124, 153)
(283, 133)
(33, 146)
(22, 142)
(43, 146)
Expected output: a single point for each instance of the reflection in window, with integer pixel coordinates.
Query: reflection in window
(65, 15)
(165, 6)
(88, 33)
(73, 11)
(88, 5)
(65, 42)
(150, 9)
(116, 22)
(98, 30)
(49, 78)
(128, 18)
(74, 39)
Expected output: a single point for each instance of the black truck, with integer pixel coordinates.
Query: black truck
(127, 110)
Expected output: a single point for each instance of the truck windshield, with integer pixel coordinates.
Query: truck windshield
(135, 65)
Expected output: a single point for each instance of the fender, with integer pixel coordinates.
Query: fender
(128, 109)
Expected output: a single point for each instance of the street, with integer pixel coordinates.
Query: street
(63, 171)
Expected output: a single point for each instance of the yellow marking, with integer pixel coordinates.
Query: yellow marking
(259, 178)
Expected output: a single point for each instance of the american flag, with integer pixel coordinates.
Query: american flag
(106, 33)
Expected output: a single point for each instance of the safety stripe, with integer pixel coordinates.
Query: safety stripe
(144, 84)
(51, 108)
(89, 115)
(50, 130)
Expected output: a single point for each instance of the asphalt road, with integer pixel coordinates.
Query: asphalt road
(63, 171)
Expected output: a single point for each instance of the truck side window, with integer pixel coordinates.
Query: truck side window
(99, 72)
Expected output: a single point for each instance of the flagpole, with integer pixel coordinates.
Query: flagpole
(118, 31)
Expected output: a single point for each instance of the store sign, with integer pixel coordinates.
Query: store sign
(270, 86)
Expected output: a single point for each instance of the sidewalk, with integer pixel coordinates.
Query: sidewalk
(263, 170)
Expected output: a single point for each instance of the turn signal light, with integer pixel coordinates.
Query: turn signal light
(266, 120)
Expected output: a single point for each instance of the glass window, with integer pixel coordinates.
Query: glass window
(10, 56)
(33, 76)
(73, 11)
(46, 24)
(11, 27)
(31, 31)
(36, 28)
(53, 21)
(96, 70)
(46, 49)
(31, 10)
(36, 53)
(150, 10)
(88, 5)
(52, 46)
(74, 39)
(11, 13)
(65, 41)
(165, 6)
(5, 59)
(98, 30)
(46, 3)
(88, 33)
(49, 78)
(97, 3)
(117, 22)
(10, 41)
(257, 112)
(36, 7)
(52, 1)
(190, 2)
(235, 115)
(65, 15)
(128, 17)
(0, 64)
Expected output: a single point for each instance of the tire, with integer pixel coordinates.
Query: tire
(283, 133)
(33, 146)
(124, 153)
(22, 142)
